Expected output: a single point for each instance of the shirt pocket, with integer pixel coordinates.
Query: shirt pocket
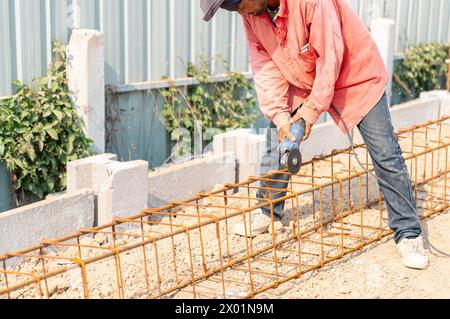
(307, 60)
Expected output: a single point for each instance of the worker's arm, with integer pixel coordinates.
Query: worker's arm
(271, 86)
(326, 39)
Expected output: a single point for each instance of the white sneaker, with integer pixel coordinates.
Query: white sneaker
(259, 223)
(414, 255)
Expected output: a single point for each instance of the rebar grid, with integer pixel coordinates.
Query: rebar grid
(187, 249)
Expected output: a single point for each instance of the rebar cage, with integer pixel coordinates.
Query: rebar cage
(187, 249)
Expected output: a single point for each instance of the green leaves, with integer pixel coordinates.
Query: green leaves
(40, 131)
(31, 153)
(423, 69)
(58, 114)
(52, 133)
(70, 144)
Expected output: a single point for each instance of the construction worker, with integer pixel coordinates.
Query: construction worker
(307, 55)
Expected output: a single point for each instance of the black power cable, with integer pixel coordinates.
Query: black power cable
(380, 180)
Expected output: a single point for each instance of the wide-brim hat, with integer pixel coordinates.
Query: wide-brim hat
(210, 7)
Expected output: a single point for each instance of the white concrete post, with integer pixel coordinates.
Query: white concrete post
(383, 33)
(121, 188)
(247, 147)
(86, 77)
(124, 192)
(442, 95)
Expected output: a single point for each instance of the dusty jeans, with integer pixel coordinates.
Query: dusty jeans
(378, 134)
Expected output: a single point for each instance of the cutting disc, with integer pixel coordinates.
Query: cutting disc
(294, 161)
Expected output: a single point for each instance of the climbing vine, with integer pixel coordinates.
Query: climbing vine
(40, 131)
(227, 104)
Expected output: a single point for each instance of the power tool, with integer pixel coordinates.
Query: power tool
(290, 156)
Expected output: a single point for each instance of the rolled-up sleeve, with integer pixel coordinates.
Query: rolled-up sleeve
(326, 39)
(271, 86)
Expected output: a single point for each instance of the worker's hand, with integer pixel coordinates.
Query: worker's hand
(308, 126)
(285, 131)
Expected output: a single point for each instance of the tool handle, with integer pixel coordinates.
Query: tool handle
(298, 130)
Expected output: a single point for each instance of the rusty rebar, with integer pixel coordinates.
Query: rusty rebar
(186, 249)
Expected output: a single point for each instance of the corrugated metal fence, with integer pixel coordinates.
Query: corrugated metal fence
(148, 39)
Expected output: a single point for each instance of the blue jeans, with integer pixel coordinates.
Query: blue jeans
(378, 134)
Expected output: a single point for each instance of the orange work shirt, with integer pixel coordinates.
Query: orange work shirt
(315, 53)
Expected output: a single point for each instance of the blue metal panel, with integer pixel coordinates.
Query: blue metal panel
(433, 16)
(137, 132)
(148, 39)
(135, 40)
(401, 16)
(423, 21)
(61, 19)
(160, 42)
(201, 35)
(88, 14)
(444, 21)
(354, 4)
(241, 54)
(29, 40)
(113, 30)
(413, 18)
(5, 50)
(180, 13)
(222, 40)
(4, 189)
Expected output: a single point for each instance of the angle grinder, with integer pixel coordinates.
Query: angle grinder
(290, 156)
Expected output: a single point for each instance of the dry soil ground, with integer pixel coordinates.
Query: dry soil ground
(375, 272)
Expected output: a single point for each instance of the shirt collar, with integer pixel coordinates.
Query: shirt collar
(283, 13)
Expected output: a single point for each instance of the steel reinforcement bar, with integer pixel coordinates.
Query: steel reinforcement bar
(187, 249)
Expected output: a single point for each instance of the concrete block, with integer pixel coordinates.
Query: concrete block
(415, 112)
(124, 192)
(445, 105)
(323, 140)
(383, 33)
(88, 172)
(228, 142)
(182, 181)
(443, 96)
(405, 115)
(327, 137)
(120, 187)
(247, 147)
(52, 218)
(250, 149)
(434, 94)
(86, 78)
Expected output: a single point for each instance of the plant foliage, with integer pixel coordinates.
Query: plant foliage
(423, 69)
(222, 105)
(40, 131)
